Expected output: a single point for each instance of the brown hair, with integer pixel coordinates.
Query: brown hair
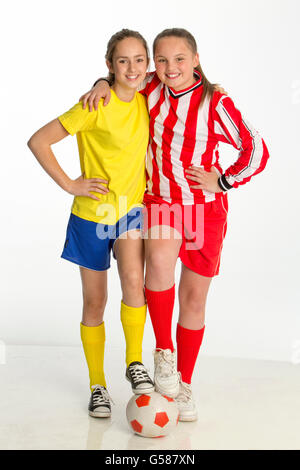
(208, 88)
(113, 42)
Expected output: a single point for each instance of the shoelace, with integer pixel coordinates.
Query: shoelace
(101, 395)
(185, 393)
(165, 362)
(139, 373)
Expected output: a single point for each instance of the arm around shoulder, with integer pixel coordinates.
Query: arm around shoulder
(101, 89)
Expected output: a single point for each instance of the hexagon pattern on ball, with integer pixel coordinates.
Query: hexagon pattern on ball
(152, 415)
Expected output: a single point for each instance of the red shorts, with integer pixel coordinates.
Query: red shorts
(202, 228)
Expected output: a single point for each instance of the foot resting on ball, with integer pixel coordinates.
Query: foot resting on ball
(137, 375)
(166, 377)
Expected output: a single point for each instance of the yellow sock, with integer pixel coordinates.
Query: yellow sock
(133, 321)
(93, 340)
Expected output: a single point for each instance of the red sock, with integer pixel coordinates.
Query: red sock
(160, 306)
(188, 345)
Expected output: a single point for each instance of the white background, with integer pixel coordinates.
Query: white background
(51, 53)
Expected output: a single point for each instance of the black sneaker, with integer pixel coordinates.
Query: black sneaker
(137, 375)
(99, 406)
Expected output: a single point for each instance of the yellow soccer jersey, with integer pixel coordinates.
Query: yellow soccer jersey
(112, 144)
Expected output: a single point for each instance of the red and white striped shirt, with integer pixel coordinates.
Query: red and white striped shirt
(183, 133)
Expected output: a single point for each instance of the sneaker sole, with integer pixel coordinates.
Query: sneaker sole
(150, 389)
(97, 414)
(188, 418)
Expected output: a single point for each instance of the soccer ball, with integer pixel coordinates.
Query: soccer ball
(152, 415)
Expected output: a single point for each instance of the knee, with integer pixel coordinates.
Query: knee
(93, 311)
(193, 303)
(95, 307)
(133, 281)
(157, 262)
(192, 312)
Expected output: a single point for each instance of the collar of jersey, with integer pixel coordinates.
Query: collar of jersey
(121, 102)
(180, 93)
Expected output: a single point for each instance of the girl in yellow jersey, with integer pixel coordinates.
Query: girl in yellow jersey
(106, 212)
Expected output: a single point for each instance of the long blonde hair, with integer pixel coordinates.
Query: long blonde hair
(113, 42)
(208, 88)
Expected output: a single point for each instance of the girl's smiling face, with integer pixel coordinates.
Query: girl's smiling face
(175, 62)
(129, 63)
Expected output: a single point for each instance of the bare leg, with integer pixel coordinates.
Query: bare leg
(193, 290)
(94, 291)
(161, 256)
(130, 257)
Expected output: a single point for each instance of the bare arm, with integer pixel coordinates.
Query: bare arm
(40, 145)
(100, 90)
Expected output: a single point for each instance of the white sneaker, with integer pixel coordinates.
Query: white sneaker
(166, 378)
(185, 402)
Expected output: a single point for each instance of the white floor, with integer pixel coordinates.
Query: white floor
(242, 404)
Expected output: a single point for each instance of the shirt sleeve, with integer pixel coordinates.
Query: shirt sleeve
(143, 88)
(232, 128)
(78, 119)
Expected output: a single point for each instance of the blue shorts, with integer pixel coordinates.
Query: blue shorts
(89, 244)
